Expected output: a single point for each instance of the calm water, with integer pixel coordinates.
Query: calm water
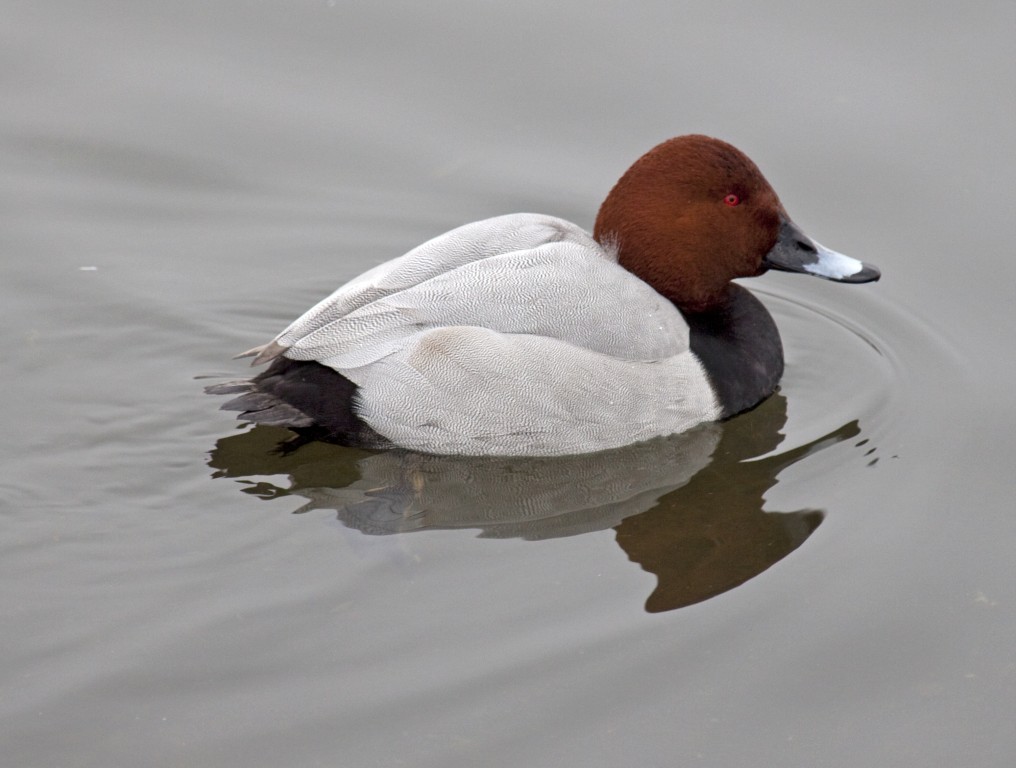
(827, 580)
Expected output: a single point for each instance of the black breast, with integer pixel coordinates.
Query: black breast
(740, 347)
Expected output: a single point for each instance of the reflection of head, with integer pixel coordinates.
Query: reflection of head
(712, 535)
(700, 550)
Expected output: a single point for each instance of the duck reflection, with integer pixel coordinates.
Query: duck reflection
(687, 508)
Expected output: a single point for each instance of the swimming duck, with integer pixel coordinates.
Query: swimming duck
(526, 335)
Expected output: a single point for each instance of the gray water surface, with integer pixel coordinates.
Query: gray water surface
(826, 580)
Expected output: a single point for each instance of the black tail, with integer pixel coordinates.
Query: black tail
(304, 396)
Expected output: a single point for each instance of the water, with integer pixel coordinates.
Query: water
(826, 580)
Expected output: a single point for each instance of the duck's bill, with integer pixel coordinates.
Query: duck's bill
(796, 252)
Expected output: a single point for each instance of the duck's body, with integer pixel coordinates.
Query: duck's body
(525, 335)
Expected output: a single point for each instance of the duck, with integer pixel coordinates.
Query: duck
(526, 335)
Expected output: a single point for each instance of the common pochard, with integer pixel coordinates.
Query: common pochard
(525, 335)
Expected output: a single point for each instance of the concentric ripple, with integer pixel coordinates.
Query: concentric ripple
(852, 355)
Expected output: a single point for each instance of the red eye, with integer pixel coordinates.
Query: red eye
(732, 200)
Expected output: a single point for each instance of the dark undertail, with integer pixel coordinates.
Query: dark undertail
(740, 347)
(311, 399)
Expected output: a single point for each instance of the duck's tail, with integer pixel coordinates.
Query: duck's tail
(301, 395)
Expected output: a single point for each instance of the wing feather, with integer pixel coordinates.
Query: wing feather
(456, 248)
(558, 288)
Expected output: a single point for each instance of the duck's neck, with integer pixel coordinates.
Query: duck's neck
(739, 345)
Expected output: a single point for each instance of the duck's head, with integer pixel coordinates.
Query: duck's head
(694, 212)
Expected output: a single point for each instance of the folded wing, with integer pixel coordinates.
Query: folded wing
(523, 273)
